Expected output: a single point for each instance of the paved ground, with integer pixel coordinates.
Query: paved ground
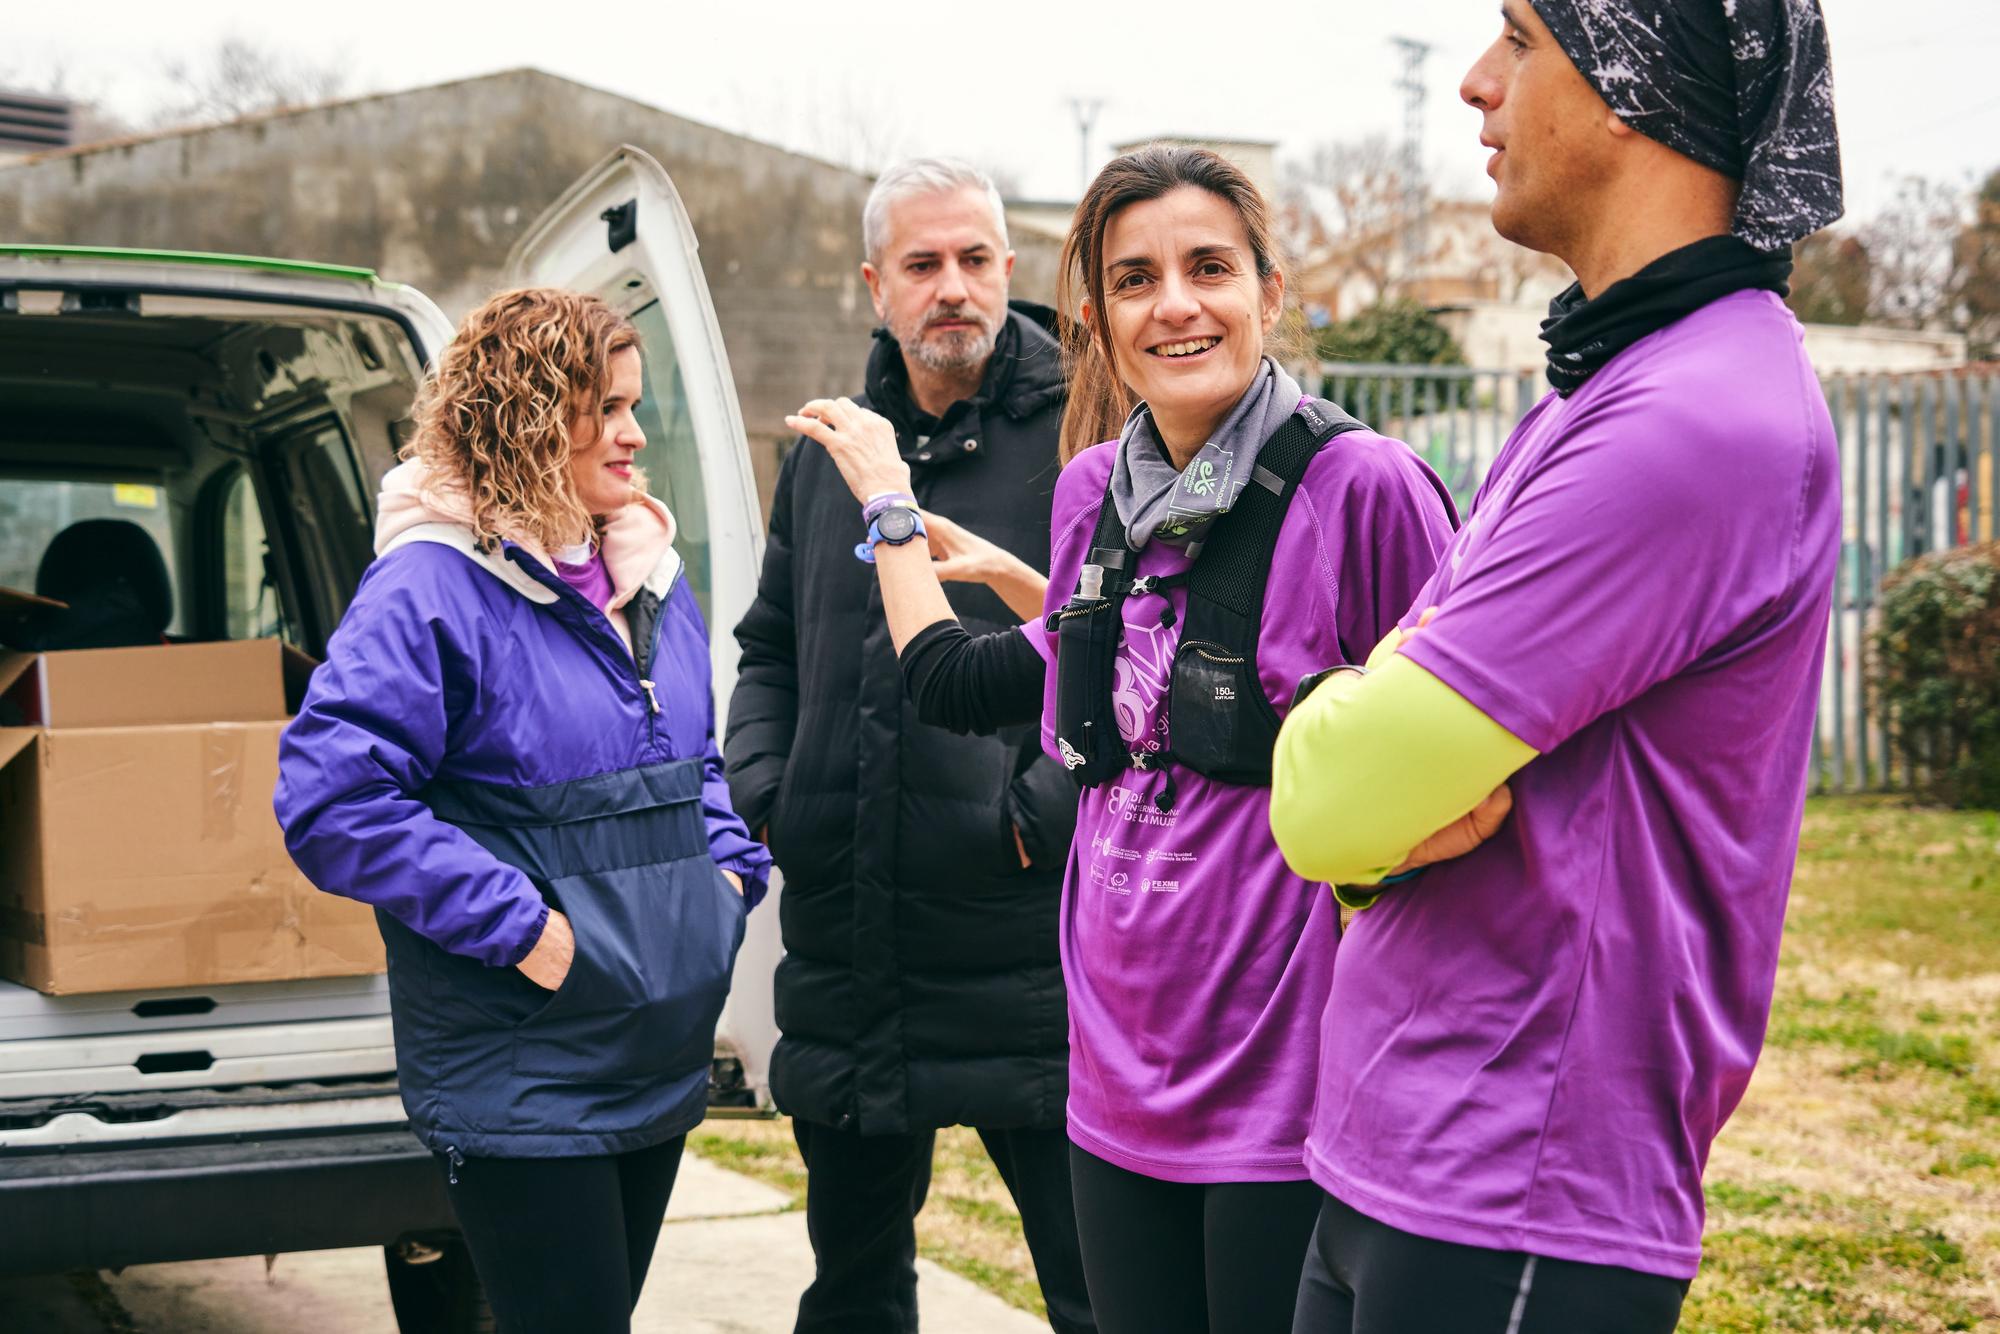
(730, 1262)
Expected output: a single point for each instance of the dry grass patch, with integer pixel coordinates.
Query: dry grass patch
(969, 1224)
(1855, 1189)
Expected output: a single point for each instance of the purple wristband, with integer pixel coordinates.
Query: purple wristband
(874, 508)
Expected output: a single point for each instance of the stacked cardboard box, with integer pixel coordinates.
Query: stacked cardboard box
(137, 844)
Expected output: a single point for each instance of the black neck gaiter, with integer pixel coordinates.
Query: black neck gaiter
(1585, 334)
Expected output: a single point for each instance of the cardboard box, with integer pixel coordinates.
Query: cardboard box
(137, 845)
(246, 680)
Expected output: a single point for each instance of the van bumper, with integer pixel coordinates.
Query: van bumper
(107, 1208)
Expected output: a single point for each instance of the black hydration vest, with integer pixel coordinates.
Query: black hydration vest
(1222, 724)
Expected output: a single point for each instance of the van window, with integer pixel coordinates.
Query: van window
(34, 510)
(328, 518)
(250, 607)
(672, 459)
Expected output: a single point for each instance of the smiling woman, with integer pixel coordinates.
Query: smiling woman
(1186, 311)
(1194, 581)
(1173, 271)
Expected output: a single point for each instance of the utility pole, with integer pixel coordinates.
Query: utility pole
(1414, 90)
(1085, 110)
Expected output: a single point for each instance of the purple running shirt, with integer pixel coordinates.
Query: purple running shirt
(1531, 1048)
(1197, 964)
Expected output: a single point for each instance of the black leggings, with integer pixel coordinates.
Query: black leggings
(1171, 1257)
(562, 1244)
(1365, 1277)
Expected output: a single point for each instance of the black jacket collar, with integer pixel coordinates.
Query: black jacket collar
(1023, 376)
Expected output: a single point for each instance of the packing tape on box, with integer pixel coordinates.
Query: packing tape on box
(263, 936)
(222, 781)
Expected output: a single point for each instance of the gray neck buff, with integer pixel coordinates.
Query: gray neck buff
(1156, 500)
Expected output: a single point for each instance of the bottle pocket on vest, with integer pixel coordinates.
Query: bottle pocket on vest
(1222, 725)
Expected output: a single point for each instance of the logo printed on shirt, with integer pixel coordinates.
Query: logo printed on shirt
(1102, 844)
(1139, 678)
(1133, 808)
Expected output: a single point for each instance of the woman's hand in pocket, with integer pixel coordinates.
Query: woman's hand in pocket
(549, 961)
(735, 881)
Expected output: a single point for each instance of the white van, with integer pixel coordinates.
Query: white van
(240, 411)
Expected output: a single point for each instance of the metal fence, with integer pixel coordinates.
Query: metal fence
(1920, 472)
(1455, 416)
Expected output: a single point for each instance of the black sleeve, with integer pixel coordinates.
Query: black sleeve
(969, 684)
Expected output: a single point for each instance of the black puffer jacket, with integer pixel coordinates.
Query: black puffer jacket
(921, 985)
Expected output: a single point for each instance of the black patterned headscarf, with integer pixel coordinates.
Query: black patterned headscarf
(1743, 86)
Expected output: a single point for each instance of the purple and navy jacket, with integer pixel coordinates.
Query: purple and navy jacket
(481, 745)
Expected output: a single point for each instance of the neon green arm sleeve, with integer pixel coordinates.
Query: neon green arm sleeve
(1367, 767)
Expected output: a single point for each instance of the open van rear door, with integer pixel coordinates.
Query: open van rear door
(622, 234)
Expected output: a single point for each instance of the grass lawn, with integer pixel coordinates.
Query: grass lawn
(1857, 1188)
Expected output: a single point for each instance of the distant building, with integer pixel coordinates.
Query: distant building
(30, 123)
(1465, 262)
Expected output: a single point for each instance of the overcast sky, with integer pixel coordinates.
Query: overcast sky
(993, 81)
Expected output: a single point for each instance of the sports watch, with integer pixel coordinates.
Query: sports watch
(896, 525)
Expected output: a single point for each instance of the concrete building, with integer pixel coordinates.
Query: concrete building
(1464, 262)
(1045, 217)
(432, 187)
(33, 123)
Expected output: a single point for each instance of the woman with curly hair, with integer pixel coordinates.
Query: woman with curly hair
(510, 753)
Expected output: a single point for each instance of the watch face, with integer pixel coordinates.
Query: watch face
(897, 525)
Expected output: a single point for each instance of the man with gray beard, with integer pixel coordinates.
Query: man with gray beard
(921, 985)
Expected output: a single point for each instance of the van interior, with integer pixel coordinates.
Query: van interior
(190, 468)
(245, 439)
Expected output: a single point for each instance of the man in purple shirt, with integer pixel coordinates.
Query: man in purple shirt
(1529, 1049)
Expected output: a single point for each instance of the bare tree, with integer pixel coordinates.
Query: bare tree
(1342, 213)
(1833, 279)
(1979, 270)
(857, 127)
(1500, 270)
(240, 78)
(1913, 247)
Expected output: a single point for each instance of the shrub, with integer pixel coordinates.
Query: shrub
(1397, 333)
(1936, 671)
